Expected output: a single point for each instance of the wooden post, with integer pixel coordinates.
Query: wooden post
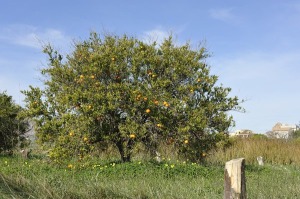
(235, 180)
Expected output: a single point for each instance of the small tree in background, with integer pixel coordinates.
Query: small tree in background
(125, 91)
(12, 127)
(296, 134)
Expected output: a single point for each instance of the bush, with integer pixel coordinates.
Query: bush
(12, 127)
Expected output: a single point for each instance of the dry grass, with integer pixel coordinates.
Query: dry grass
(273, 151)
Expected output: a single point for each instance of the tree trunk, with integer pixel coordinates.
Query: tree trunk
(124, 150)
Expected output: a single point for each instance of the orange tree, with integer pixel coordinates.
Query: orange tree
(124, 91)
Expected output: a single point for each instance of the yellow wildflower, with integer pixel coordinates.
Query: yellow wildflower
(159, 125)
(70, 166)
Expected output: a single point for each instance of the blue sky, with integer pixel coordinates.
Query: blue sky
(255, 45)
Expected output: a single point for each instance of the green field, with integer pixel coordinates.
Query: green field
(38, 178)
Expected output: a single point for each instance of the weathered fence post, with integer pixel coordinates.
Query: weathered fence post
(235, 180)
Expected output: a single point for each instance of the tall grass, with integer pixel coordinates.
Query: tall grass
(273, 151)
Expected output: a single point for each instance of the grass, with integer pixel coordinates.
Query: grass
(273, 182)
(106, 178)
(38, 179)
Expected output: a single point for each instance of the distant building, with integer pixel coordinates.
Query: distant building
(244, 133)
(283, 131)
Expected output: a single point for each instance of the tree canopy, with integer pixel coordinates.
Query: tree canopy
(125, 91)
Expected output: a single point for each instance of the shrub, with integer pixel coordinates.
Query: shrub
(12, 127)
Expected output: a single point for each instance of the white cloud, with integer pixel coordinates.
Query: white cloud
(33, 37)
(223, 14)
(157, 34)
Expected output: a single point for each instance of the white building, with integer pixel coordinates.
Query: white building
(244, 133)
(282, 130)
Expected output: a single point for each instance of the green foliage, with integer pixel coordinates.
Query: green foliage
(123, 91)
(12, 127)
(296, 134)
